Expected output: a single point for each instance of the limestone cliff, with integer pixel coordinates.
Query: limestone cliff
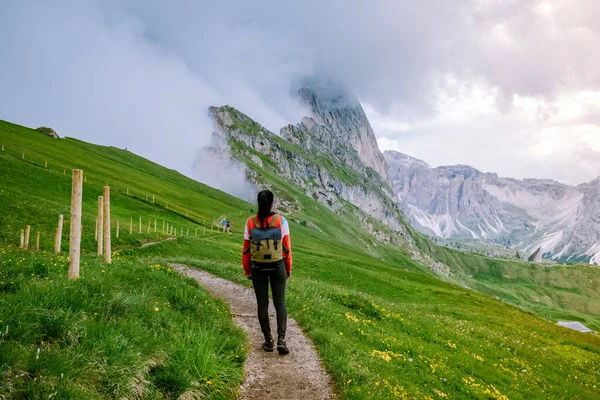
(339, 122)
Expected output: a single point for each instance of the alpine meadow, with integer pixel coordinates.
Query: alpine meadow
(384, 325)
(300, 200)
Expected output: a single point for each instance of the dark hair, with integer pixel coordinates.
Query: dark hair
(265, 200)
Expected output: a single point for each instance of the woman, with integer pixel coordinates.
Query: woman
(267, 257)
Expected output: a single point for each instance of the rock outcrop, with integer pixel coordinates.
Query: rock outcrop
(48, 131)
(536, 256)
(305, 155)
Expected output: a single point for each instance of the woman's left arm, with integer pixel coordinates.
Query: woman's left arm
(287, 246)
(246, 256)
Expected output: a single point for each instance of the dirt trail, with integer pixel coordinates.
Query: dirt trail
(175, 238)
(160, 241)
(269, 376)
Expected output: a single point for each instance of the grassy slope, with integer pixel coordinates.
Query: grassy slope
(384, 327)
(122, 331)
(552, 291)
(103, 336)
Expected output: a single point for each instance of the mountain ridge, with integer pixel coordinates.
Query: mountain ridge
(459, 201)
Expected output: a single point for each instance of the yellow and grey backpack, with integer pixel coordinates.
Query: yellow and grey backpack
(266, 243)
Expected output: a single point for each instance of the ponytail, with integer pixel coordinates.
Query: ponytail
(265, 201)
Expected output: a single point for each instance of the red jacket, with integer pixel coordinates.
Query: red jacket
(285, 234)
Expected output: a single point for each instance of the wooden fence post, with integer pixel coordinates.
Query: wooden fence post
(127, 192)
(118, 221)
(46, 164)
(58, 236)
(148, 225)
(27, 233)
(100, 226)
(64, 172)
(75, 232)
(37, 241)
(196, 233)
(22, 238)
(163, 231)
(154, 225)
(131, 226)
(140, 224)
(107, 246)
(175, 231)
(152, 199)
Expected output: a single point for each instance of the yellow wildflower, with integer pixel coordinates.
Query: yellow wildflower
(351, 317)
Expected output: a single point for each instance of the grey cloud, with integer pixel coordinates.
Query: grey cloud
(141, 73)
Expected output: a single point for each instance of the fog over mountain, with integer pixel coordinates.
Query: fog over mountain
(504, 85)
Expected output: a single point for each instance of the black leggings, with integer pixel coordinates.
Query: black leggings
(260, 280)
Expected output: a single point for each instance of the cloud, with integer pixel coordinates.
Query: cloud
(99, 72)
(439, 79)
(534, 138)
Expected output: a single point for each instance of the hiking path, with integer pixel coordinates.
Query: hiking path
(269, 376)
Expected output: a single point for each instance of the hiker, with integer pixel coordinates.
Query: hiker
(228, 226)
(267, 257)
(224, 224)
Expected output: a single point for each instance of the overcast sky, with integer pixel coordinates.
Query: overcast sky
(507, 86)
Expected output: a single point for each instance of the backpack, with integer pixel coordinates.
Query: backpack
(266, 243)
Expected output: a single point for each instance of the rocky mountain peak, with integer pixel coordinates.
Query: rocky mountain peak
(404, 159)
(340, 111)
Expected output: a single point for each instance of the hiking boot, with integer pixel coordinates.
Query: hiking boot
(282, 347)
(268, 345)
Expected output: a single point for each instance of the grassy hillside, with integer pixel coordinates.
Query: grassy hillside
(384, 326)
(552, 291)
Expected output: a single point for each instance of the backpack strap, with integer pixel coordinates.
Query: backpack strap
(274, 220)
(256, 222)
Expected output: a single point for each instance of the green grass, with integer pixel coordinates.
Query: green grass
(553, 291)
(384, 326)
(369, 319)
(126, 330)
